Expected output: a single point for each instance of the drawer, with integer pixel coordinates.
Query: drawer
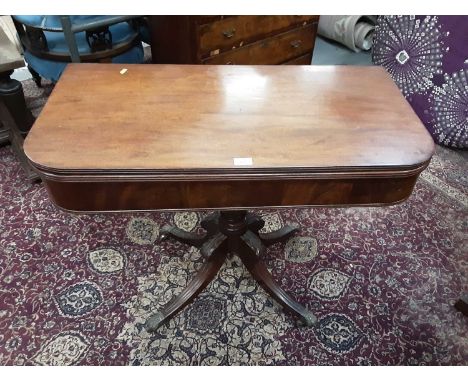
(306, 59)
(273, 50)
(237, 31)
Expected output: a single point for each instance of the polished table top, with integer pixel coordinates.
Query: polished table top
(222, 124)
(202, 117)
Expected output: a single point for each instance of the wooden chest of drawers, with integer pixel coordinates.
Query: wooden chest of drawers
(242, 40)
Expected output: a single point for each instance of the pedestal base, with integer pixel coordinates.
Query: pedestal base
(11, 93)
(230, 232)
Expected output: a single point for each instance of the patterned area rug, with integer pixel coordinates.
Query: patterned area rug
(76, 289)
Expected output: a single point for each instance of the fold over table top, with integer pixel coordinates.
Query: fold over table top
(227, 121)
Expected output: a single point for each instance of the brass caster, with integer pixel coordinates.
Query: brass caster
(308, 320)
(154, 322)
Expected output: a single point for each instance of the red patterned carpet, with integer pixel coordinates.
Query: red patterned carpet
(76, 289)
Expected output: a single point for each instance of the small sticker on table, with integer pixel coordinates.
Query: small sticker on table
(123, 71)
(243, 161)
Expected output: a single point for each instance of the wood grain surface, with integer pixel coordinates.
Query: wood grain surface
(98, 195)
(273, 50)
(241, 30)
(201, 117)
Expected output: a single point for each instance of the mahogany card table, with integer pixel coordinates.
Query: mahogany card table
(228, 139)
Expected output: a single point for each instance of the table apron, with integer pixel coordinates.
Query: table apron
(123, 195)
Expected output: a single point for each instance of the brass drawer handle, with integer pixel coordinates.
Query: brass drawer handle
(296, 43)
(229, 33)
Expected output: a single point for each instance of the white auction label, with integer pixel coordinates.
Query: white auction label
(242, 161)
